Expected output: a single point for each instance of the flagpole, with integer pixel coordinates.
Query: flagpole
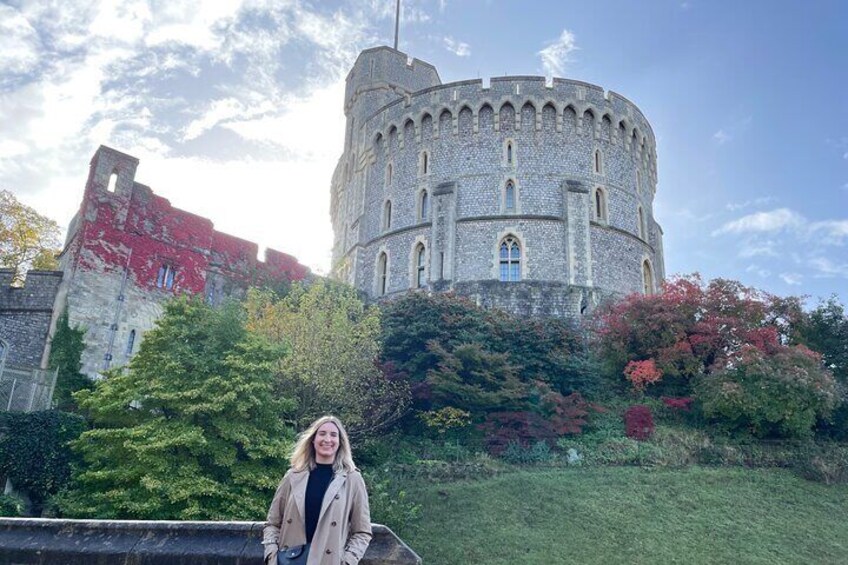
(397, 23)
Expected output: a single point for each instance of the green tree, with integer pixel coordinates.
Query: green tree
(65, 355)
(769, 395)
(333, 344)
(190, 430)
(27, 239)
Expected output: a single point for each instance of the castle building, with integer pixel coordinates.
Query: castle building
(523, 194)
(127, 252)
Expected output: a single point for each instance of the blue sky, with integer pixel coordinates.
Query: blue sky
(235, 110)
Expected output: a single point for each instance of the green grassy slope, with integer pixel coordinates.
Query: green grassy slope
(631, 515)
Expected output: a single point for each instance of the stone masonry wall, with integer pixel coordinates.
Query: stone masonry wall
(25, 315)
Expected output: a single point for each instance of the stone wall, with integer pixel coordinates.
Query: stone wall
(31, 541)
(25, 314)
(556, 143)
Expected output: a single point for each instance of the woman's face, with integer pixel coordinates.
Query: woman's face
(326, 443)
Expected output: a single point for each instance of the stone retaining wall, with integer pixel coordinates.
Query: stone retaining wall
(30, 541)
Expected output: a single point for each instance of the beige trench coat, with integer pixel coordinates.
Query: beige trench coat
(344, 525)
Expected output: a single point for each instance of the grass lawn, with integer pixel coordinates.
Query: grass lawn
(632, 515)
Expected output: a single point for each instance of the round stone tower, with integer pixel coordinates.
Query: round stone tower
(532, 196)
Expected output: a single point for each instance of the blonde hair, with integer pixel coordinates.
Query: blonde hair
(303, 455)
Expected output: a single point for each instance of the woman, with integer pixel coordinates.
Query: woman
(321, 505)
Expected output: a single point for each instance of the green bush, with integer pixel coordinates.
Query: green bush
(389, 503)
(11, 506)
(518, 454)
(780, 395)
(34, 451)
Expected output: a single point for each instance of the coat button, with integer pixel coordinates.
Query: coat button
(332, 523)
(329, 551)
(337, 497)
(288, 521)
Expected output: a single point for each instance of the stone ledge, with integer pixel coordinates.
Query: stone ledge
(30, 541)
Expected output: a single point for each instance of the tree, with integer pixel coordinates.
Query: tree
(191, 429)
(769, 395)
(333, 351)
(65, 355)
(27, 239)
(689, 328)
(825, 329)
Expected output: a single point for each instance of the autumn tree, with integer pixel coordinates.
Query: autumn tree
(190, 430)
(333, 347)
(28, 240)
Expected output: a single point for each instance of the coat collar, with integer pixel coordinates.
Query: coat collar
(299, 481)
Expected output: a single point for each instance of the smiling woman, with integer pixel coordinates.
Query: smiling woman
(320, 513)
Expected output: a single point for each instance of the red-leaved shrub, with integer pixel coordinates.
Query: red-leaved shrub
(638, 422)
(678, 403)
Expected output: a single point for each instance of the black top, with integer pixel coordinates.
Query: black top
(319, 480)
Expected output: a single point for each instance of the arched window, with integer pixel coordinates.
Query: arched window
(510, 259)
(387, 215)
(643, 231)
(113, 182)
(423, 206)
(424, 163)
(509, 153)
(420, 257)
(509, 196)
(599, 162)
(647, 278)
(389, 174)
(382, 274)
(165, 277)
(130, 343)
(600, 205)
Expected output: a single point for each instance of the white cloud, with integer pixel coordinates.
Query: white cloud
(757, 249)
(557, 54)
(827, 268)
(734, 206)
(831, 232)
(759, 271)
(458, 48)
(773, 221)
(793, 279)
(722, 137)
(19, 44)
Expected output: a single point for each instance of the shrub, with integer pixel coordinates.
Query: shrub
(825, 464)
(638, 422)
(518, 454)
(11, 506)
(389, 504)
(778, 395)
(34, 451)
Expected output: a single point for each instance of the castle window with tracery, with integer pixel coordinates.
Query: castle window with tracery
(510, 259)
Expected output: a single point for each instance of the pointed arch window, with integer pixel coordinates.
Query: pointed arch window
(600, 205)
(643, 231)
(387, 215)
(598, 165)
(423, 206)
(647, 278)
(130, 344)
(509, 254)
(389, 174)
(382, 274)
(425, 163)
(509, 156)
(509, 197)
(420, 257)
